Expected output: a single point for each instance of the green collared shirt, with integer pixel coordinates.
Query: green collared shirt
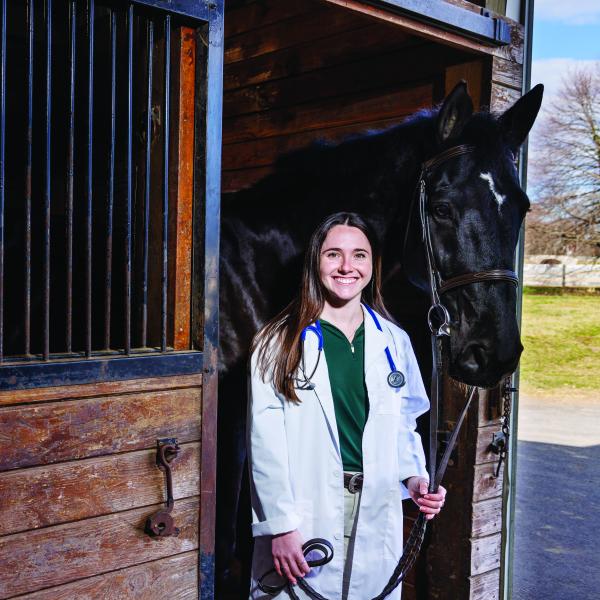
(346, 366)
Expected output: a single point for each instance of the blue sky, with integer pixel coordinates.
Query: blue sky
(566, 36)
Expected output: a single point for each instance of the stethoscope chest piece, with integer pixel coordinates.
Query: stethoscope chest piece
(396, 379)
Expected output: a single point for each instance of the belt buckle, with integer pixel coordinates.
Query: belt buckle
(353, 482)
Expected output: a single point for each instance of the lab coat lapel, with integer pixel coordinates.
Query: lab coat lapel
(375, 341)
(322, 386)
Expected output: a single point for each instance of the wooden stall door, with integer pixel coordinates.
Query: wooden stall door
(79, 427)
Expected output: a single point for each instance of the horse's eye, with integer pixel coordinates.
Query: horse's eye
(441, 210)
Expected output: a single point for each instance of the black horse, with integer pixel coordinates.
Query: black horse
(476, 210)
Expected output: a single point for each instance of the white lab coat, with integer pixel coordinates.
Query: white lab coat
(296, 467)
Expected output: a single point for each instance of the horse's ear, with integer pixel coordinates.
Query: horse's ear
(519, 118)
(455, 112)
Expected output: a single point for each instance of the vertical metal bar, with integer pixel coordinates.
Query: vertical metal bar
(29, 159)
(150, 58)
(211, 144)
(70, 174)
(89, 190)
(111, 178)
(129, 175)
(2, 168)
(165, 208)
(47, 182)
(509, 489)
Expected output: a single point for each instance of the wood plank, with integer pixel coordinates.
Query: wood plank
(181, 191)
(99, 389)
(59, 431)
(472, 73)
(502, 97)
(392, 70)
(485, 586)
(240, 179)
(483, 441)
(346, 110)
(264, 152)
(507, 73)
(487, 517)
(175, 577)
(52, 556)
(512, 51)
(49, 495)
(490, 406)
(485, 554)
(319, 23)
(485, 484)
(258, 14)
(338, 48)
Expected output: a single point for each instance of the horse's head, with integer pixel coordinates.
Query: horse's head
(475, 209)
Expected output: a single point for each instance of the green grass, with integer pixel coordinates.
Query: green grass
(561, 335)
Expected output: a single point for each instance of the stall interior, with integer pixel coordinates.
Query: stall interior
(306, 70)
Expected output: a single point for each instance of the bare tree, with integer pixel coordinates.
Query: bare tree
(565, 170)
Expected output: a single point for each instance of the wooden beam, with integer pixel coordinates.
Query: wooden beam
(513, 51)
(485, 554)
(487, 517)
(98, 389)
(58, 431)
(472, 73)
(329, 113)
(485, 586)
(320, 22)
(80, 489)
(181, 189)
(346, 46)
(174, 577)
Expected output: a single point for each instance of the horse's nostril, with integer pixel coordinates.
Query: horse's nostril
(475, 357)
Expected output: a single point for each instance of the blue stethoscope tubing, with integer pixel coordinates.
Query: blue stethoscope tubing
(395, 379)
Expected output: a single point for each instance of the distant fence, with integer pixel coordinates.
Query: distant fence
(585, 276)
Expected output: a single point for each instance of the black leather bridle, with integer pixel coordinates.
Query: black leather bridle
(438, 319)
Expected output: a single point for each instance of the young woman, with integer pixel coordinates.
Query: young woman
(333, 450)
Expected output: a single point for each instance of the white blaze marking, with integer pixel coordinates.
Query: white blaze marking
(500, 199)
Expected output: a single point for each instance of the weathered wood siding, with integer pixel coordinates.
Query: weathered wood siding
(78, 479)
(308, 69)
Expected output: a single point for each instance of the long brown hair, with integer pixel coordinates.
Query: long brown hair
(278, 342)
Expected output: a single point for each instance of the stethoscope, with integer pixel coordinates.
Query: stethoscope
(395, 378)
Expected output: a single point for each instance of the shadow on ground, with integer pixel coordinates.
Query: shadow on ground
(557, 522)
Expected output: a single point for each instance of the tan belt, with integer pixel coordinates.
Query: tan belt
(353, 482)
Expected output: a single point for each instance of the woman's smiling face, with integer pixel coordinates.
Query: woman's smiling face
(346, 263)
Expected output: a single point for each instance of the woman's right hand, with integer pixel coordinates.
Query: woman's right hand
(288, 558)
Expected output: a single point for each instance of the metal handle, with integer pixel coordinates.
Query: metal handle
(161, 524)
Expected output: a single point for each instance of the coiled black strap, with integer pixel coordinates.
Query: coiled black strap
(314, 545)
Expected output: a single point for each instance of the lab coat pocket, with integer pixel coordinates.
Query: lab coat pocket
(393, 542)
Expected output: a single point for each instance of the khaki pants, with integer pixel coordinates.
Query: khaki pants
(351, 507)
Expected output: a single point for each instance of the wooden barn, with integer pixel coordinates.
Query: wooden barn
(120, 124)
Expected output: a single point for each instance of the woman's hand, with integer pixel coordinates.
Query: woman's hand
(288, 558)
(430, 504)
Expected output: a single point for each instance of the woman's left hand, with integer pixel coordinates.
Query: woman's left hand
(429, 504)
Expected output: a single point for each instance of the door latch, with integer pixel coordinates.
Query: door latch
(161, 524)
(498, 446)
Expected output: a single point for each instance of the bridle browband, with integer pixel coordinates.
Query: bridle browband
(439, 325)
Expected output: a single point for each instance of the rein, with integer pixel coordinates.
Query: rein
(438, 319)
